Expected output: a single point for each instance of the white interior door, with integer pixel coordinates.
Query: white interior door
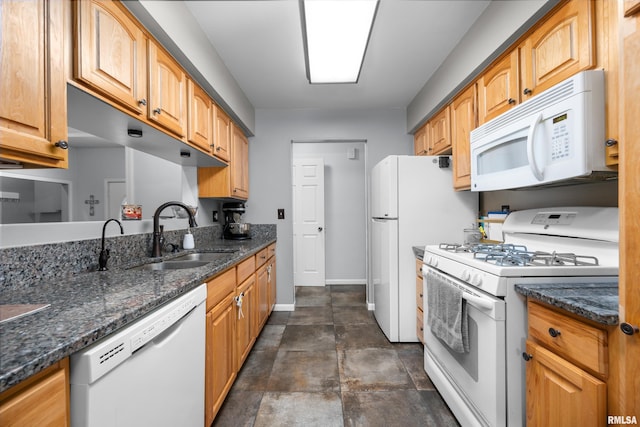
(308, 222)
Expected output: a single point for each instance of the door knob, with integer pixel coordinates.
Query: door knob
(320, 229)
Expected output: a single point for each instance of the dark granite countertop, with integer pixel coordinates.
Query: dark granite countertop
(593, 301)
(89, 306)
(418, 251)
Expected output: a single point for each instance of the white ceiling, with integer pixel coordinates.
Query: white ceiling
(261, 44)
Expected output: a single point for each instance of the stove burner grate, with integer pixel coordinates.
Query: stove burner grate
(506, 254)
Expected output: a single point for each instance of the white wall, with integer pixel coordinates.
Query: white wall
(345, 208)
(270, 163)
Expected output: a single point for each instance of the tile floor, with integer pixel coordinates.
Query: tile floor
(328, 364)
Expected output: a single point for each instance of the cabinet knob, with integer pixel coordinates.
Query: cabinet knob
(527, 91)
(511, 101)
(62, 144)
(526, 356)
(610, 142)
(157, 110)
(554, 332)
(628, 328)
(218, 148)
(142, 102)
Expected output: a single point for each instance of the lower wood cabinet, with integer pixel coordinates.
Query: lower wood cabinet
(566, 370)
(42, 400)
(245, 315)
(220, 362)
(239, 302)
(419, 302)
(561, 394)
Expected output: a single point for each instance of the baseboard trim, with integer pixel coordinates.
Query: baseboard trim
(284, 307)
(346, 282)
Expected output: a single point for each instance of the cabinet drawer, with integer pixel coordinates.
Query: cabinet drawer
(271, 250)
(419, 293)
(220, 287)
(420, 325)
(246, 268)
(574, 340)
(261, 257)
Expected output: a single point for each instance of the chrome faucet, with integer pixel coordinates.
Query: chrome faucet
(104, 253)
(156, 250)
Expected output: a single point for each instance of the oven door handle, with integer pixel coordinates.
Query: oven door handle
(478, 301)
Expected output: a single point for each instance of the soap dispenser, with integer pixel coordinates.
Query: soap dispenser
(187, 242)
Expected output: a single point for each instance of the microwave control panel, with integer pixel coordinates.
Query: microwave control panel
(560, 143)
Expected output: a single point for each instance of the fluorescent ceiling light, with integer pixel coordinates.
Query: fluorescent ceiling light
(336, 33)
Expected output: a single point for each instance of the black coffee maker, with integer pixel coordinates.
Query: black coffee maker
(234, 228)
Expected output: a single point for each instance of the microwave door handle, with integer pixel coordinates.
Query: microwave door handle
(530, 154)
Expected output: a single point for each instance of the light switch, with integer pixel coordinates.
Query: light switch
(280, 213)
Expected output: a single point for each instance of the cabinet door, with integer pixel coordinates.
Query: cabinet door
(498, 88)
(628, 353)
(271, 276)
(239, 165)
(244, 314)
(420, 142)
(39, 401)
(561, 394)
(220, 357)
(440, 133)
(33, 100)
(262, 280)
(222, 134)
(199, 117)
(559, 48)
(167, 91)
(463, 121)
(111, 54)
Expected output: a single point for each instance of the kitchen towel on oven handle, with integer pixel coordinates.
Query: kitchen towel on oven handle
(447, 312)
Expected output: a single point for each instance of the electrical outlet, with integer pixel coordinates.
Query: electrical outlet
(280, 213)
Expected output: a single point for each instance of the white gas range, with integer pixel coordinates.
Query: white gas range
(486, 385)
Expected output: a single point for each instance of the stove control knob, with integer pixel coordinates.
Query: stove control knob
(466, 276)
(477, 280)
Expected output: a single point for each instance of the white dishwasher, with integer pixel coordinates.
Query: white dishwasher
(148, 374)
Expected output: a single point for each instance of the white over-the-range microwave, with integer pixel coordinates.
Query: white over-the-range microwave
(553, 138)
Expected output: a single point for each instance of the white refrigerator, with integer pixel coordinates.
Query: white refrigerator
(412, 204)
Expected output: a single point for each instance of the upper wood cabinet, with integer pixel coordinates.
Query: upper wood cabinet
(558, 48)
(199, 113)
(111, 53)
(440, 133)
(463, 121)
(239, 164)
(33, 100)
(421, 142)
(498, 88)
(230, 181)
(167, 91)
(222, 134)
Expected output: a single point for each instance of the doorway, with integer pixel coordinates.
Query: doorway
(345, 215)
